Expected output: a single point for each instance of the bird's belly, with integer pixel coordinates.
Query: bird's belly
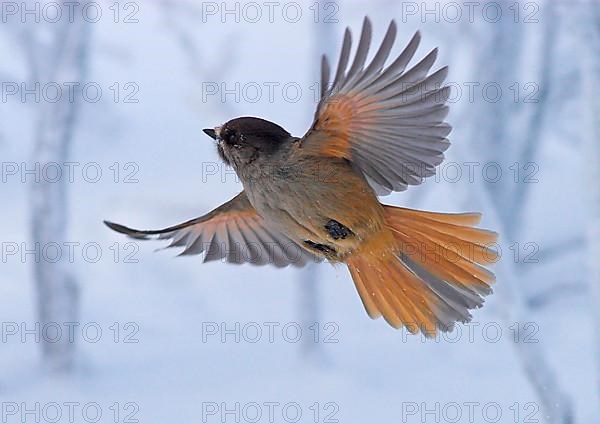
(329, 217)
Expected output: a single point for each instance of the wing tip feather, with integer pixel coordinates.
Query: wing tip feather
(131, 232)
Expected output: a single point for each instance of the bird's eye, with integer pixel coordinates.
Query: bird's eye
(233, 138)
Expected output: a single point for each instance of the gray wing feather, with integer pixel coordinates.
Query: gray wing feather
(344, 56)
(382, 54)
(325, 70)
(361, 52)
(233, 232)
(398, 135)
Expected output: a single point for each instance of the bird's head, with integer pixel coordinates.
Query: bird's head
(242, 141)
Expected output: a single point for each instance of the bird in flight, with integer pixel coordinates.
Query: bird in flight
(377, 129)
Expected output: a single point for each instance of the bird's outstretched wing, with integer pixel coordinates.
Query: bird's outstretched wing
(388, 121)
(234, 231)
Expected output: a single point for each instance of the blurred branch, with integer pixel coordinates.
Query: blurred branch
(202, 69)
(573, 245)
(556, 292)
(590, 32)
(496, 133)
(533, 137)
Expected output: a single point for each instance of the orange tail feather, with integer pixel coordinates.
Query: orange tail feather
(425, 271)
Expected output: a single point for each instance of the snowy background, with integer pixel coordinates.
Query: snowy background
(158, 339)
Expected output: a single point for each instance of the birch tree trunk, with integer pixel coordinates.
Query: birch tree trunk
(61, 59)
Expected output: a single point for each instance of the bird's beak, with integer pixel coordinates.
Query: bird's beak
(211, 133)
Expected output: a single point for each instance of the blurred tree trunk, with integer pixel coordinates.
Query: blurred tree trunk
(590, 36)
(505, 133)
(60, 58)
(310, 311)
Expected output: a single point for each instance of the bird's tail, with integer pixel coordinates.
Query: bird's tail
(425, 271)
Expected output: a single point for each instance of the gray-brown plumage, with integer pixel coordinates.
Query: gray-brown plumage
(377, 129)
